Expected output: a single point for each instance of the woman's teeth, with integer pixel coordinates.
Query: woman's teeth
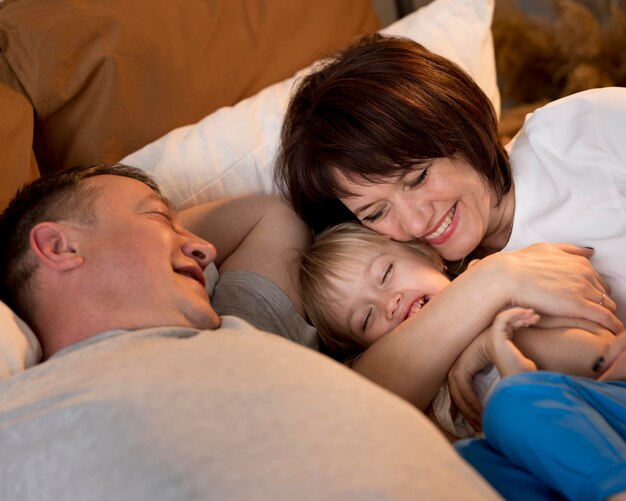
(443, 226)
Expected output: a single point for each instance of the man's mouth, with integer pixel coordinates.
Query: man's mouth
(415, 306)
(194, 273)
(443, 226)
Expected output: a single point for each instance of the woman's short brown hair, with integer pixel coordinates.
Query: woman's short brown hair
(375, 110)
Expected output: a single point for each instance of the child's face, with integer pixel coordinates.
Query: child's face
(382, 290)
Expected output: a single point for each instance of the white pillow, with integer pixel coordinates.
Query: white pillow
(232, 151)
(19, 348)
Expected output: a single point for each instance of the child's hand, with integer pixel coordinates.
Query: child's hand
(504, 354)
(507, 321)
(494, 345)
(473, 359)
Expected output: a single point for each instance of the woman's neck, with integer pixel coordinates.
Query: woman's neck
(501, 225)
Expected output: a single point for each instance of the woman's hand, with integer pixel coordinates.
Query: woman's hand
(612, 365)
(555, 279)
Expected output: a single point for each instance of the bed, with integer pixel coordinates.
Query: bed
(193, 92)
(70, 97)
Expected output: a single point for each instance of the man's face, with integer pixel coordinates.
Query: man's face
(144, 267)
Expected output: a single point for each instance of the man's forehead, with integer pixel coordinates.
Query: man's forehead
(126, 187)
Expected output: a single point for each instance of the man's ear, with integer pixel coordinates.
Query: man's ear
(51, 244)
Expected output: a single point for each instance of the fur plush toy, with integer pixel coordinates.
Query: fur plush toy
(547, 49)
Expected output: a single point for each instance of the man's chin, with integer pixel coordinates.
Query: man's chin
(214, 322)
(209, 320)
(201, 314)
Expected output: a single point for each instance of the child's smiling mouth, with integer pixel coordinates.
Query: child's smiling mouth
(416, 305)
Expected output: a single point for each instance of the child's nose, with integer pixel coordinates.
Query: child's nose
(394, 305)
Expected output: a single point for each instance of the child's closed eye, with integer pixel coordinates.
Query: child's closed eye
(387, 274)
(366, 320)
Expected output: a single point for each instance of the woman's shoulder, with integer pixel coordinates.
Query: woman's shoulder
(594, 109)
(576, 142)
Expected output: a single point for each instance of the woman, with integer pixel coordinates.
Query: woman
(408, 143)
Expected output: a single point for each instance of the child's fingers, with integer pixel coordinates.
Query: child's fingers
(510, 319)
(465, 399)
(525, 319)
(515, 313)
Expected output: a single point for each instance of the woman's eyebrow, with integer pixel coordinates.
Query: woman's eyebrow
(363, 208)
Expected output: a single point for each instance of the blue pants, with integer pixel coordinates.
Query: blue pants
(552, 436)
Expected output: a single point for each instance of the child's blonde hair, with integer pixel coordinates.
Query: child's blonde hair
(332, 256)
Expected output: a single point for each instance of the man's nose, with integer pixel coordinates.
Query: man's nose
(200, 250)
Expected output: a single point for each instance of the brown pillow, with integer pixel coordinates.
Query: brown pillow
(106, 78)
(17, 161)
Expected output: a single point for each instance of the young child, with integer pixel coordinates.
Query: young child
(358, 285)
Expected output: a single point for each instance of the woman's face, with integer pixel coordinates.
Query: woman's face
(444, 202)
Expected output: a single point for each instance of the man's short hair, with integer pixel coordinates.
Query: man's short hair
(54, 197)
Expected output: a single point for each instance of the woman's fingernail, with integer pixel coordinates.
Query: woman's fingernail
(591, 248)
(598, 365)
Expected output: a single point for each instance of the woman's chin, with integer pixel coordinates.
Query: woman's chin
(452, 254)
(455, 250)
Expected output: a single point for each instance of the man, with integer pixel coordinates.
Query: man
(146, 393)
(122, 249)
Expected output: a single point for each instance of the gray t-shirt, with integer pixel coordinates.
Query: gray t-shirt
(180, 414)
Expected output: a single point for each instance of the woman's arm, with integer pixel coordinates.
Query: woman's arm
(413, 360)
(257, 233)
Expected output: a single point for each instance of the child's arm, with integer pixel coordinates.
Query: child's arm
(564, 345)
(494, 345)
(553, 343)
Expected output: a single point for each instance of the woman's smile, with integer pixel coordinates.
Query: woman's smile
(440, 234)
(453, 209)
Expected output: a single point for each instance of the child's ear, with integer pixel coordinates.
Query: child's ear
(51, 244)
